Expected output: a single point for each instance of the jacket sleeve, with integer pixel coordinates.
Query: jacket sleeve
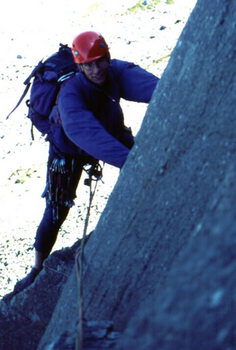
(136, 84)
(85, 130)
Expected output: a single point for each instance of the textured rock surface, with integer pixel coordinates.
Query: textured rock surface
(196, 308)
(96, 335)
(24, 317)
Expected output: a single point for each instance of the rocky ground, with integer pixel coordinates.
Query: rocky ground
(144, 35)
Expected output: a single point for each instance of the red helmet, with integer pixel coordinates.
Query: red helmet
(89, 46)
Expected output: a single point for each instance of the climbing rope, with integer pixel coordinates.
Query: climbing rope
(95, 174)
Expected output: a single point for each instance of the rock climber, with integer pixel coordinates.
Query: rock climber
(87, 125)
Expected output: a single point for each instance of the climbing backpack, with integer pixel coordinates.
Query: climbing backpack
(46, 79)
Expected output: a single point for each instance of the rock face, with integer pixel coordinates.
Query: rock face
(161, 263)
(23, 317)
(195, 309)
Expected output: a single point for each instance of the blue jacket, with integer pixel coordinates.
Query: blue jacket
(91, 116)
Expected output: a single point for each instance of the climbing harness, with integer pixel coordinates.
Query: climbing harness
(94, 175)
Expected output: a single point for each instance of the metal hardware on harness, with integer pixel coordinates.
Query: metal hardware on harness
(94, 172)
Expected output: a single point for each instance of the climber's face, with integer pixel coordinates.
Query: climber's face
(96, 71)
